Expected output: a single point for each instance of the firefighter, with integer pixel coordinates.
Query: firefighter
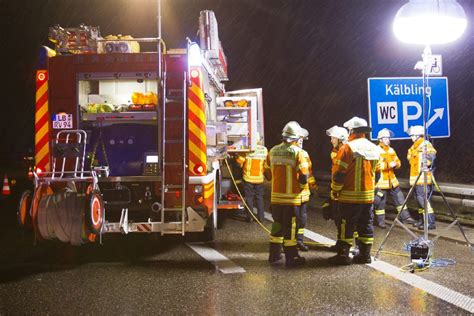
(352, 187)
(338, 136)
(302, 211)
(252, 165)
(288, 170)
(388, 182)
(414, 156)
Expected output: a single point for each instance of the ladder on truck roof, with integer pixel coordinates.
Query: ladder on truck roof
(174, 158)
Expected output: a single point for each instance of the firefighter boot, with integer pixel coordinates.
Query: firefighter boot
(380, 221)
(356, 249)
(405, 217)
(300, 244)
(431, 222)
(364, 254)
(275, 253)
(419, 221)
(342, 258)
(293, 259)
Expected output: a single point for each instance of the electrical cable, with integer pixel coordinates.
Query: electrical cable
(243, 200)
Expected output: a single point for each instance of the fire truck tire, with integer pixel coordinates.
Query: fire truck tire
(94, 214)
(24, 211)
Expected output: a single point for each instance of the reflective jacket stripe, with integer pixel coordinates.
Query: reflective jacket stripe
(287, 163)
(414, 157)
(253, 165)
(387, 179)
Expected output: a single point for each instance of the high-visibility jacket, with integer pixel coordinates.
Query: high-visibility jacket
(353, 176)
(414, 157)
(333, 156)
(311, 185)
(387, 179)
(287, 163)
(253, 165)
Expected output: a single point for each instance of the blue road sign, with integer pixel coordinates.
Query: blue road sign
(397, 104)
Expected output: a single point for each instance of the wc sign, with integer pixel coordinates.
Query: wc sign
(397, 104)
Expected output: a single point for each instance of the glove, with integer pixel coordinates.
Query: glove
(327, 210)
(393, 164)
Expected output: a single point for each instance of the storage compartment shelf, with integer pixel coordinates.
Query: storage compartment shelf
(116, 117)
(228, 108)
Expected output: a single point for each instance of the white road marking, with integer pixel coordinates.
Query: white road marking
(458, 299)
(221, 262)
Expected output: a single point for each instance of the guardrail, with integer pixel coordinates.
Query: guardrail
(456, 194)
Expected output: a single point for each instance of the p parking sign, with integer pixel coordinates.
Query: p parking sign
(397, 104)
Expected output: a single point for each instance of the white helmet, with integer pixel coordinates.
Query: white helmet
(358, 125)
(338, 132)
(416, 130)
(293, 131)
(385, 132)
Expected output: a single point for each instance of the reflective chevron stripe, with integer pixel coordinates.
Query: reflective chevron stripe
(42, 121)
(196, 125)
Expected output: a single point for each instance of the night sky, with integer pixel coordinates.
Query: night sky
(311, 57)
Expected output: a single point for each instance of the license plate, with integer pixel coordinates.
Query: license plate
(62, 121)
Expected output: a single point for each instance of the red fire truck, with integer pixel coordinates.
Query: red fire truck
(134, 142)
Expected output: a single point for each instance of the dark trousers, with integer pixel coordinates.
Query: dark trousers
(420, 196)
(255, 192)
(356, 217)
(301, 218)
(420, 199)
(284, 225)
(381, 198)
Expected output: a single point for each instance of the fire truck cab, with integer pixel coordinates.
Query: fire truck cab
(134, 142)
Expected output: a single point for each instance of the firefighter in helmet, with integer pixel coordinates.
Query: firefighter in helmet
(288, 169)
(414, 156)
(352, 187)
(339, 137)
(388, 183)
(252, 165)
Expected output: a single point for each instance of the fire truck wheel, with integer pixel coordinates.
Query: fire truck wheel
(24, 211)
(94, 215)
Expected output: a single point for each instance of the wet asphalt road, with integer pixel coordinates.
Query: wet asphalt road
(140, 274)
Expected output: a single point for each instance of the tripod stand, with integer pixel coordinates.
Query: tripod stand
(425, 66)
(425, 230)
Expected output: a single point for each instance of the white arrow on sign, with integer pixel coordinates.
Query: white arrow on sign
(438, 114)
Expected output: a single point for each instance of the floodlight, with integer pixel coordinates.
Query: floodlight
(430, 22)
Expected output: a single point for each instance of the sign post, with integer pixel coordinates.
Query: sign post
(397, 104)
